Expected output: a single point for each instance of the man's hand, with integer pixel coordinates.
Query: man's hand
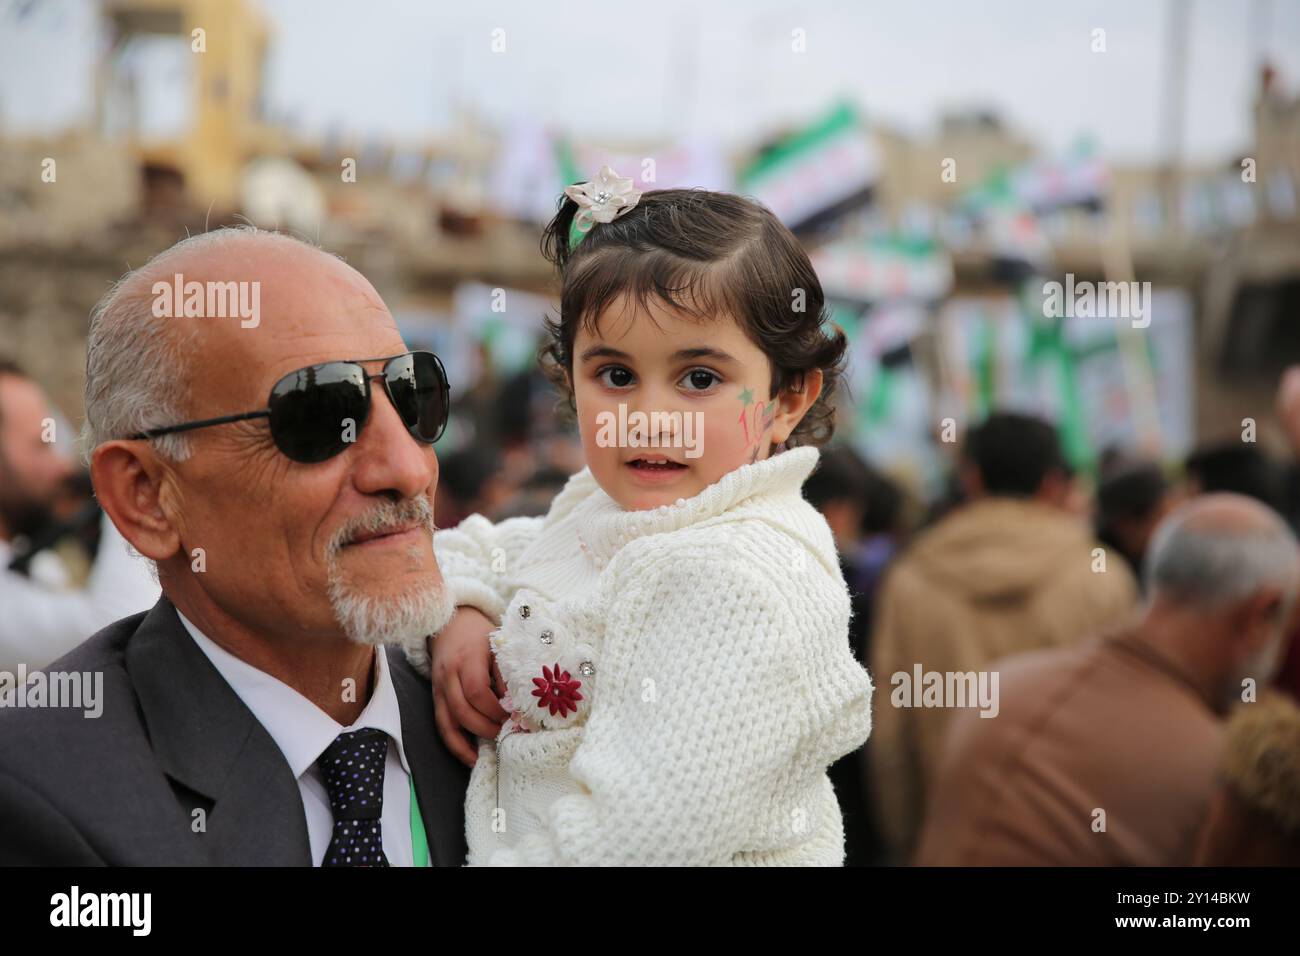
(464, 678)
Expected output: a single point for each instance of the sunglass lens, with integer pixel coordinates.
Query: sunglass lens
(418, 386)
(316, 411)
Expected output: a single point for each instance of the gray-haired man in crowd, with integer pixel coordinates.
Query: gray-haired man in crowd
(1107, 753)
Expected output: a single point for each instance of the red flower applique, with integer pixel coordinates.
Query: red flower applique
(556, 691)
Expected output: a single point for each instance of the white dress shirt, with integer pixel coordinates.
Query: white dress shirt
(303, 731)
(41, 618)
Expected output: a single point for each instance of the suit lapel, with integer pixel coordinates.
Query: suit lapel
(440, 779)
(207, 741)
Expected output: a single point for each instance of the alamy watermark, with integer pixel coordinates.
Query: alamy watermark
(922, 688)
(1098, 300)
(81, 690)
(133, 911)
(179, 299)
(651, 430)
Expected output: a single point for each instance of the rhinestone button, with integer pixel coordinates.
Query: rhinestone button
(525, 611)
(586, 668)
(546, 637)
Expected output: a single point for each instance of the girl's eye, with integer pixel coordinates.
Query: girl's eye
(701, 379)
(615, 376)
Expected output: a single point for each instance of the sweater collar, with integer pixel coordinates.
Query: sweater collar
(604, 527)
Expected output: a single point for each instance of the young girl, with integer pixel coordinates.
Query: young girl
(672, 637)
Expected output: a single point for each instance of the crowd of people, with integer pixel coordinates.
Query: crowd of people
(1144, 641)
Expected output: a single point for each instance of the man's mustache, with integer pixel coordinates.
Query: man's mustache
(388, 516)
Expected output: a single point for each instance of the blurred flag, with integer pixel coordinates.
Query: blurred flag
(818, 172)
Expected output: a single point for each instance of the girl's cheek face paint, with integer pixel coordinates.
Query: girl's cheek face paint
(756, 419)
(737, 431)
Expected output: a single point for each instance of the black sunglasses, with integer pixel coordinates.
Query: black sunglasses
(309, 409)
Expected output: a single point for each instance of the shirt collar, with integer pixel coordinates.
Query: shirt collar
(300, 728)
(606, 527)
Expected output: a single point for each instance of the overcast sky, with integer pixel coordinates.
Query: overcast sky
(684, 68)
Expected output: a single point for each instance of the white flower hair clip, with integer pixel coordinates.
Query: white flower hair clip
(603, 199)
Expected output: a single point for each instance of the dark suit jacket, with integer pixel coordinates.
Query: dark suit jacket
(121, 789)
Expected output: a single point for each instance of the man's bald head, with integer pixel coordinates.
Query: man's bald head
(1220, 548)
(141, 369)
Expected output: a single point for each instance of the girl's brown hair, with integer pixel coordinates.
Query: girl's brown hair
(705, 254)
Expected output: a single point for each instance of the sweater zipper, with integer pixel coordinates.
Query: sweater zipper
(498, 774)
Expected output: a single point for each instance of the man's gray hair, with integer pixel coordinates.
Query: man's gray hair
(1211, 567)
(138, 365)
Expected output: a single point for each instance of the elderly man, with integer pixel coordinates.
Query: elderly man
(1107, 753)
(259, 713)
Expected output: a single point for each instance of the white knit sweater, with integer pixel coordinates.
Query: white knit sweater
(714, 680)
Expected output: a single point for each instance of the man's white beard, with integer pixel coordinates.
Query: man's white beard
(405, 619)
(1264, 664)
(1261, 667)
(402, 620)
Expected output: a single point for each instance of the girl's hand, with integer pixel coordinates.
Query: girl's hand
(463, 674)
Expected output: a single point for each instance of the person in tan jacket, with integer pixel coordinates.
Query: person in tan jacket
(1013, 569)
(1107, 753)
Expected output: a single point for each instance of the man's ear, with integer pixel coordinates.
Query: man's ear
(970, 480)
(1258, 619)
(132, 483)
(793, 405)
(1055, 488)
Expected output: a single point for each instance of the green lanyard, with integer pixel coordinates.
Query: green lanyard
(419, 842)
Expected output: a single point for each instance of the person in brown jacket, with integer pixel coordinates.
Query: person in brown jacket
(1254, 818)
(1107, 753)
(1013, 569)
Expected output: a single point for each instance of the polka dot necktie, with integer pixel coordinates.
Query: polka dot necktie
(353, 769)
